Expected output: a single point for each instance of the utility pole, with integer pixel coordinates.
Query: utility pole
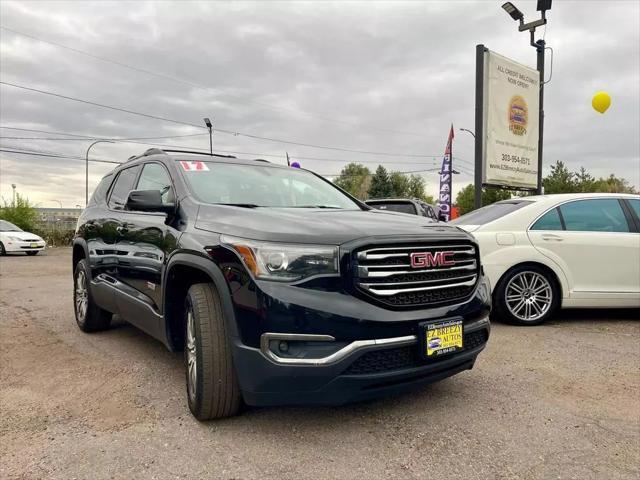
(542, 6)
(13, 187)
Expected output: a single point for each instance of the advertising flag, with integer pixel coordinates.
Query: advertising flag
(444, 198)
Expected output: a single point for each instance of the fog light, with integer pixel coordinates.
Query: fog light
(283, 346)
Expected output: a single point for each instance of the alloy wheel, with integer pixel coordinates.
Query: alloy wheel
(82, 296)
(528, 296)
(192, 361)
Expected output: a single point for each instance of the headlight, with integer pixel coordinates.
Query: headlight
(15, 239)
(284, 262)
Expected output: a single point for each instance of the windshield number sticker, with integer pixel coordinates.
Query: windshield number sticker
(194, 166)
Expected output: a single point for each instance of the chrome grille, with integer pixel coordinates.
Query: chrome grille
(386, 273)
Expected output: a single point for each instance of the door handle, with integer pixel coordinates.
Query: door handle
(122, 230)
(552, 238)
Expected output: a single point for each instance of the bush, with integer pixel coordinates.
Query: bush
(21, 213)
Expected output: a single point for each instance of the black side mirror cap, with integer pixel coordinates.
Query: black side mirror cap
(148, 201)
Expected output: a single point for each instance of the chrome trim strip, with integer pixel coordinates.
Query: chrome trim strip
(417, 282)
(388, 293)
(341, 354)
(419, 247)
(363, 272)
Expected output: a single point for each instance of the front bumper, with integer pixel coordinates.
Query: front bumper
(19, 246)
(360, 371)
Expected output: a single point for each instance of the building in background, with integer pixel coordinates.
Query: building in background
(59, 218)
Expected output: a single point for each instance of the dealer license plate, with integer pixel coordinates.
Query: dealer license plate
(442, 338)
(34, 245)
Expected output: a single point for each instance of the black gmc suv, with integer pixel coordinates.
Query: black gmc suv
(280, 287)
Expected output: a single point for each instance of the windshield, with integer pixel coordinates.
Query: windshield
(490, 213)
(401, 207)
(261, 186)
(8, 227)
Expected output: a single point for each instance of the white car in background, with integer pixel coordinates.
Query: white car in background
(566, 250)
(13, 240)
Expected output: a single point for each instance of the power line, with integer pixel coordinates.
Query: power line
(21, 151)
(89, 137)
(196, 85)
(229, 132)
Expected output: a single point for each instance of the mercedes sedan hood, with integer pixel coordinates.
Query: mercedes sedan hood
(314, 225)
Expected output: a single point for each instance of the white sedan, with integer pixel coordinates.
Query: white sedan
(544, 252)
(13, 240)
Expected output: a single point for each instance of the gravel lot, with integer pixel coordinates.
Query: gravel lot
(556, 401)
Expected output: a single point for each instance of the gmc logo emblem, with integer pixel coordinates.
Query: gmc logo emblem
(429, 259)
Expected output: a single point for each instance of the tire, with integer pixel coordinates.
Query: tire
(89, 317)
(3, 252)
(31, 254)
(526, 295)
(211, 381)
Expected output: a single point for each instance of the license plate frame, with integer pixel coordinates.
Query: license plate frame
(441, 338)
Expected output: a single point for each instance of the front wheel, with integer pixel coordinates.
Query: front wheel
(212, 384)
(526, 295)
(89, 316)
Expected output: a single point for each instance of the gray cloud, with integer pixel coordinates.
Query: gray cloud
(342, 74)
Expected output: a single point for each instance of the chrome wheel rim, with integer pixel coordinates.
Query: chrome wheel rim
(192, 361)
(528, 296)
(82, 296)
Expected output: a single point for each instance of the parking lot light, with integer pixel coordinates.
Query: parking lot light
(512, 10)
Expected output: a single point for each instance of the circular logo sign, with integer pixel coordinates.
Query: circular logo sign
(518, 115)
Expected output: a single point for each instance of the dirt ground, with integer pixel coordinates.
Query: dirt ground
(560, 401)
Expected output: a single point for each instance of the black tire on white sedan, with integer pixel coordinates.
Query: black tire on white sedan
(212, 383)
(526, 295)
(89, 316)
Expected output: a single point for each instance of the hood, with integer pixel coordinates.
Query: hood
(469, 228)
(22, 235)
(312, 225)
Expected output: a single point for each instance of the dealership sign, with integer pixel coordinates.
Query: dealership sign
(510, 123)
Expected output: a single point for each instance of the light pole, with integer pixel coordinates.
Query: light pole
(209, 125)
(542, 6)
(13, 187)
(86, 172)
(468, 131)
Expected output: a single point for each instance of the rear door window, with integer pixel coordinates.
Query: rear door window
(549, 221)
(596, 215)
(100, 194)
(122, 187)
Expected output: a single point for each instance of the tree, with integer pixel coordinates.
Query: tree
(416, 189)
(585, 183)
(560, 180)
(613, 184)
(21, 213)
(465, 200)
(380, 184)
(399, 185)
(355, 179)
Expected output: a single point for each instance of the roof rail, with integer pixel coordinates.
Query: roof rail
(194, 152)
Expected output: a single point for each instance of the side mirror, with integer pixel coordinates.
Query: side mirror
(148, 201)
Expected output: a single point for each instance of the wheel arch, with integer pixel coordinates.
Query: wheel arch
(555, 277)
(182, 271)
(80, 251)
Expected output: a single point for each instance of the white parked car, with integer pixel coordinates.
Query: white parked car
(544, 252)
(13, 239)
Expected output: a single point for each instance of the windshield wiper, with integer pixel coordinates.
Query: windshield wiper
(244, 205)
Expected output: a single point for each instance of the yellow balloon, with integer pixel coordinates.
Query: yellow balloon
(601, 101)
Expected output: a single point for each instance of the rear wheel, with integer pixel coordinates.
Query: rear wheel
(3, 252)
(89, 316)
(32, 253)
(526, 295)
(212, 384)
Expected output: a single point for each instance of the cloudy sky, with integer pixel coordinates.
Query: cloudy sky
(366, 76)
